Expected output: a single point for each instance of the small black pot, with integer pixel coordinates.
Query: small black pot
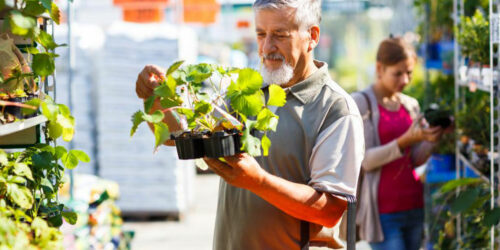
(189, 146)
(222, 143)
(438, 118)
(17, 111)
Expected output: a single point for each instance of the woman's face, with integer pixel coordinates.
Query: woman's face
(394, 78)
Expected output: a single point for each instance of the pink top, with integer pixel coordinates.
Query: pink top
(400, 188)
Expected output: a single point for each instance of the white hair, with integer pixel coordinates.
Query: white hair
(307, 12)
(280, 76)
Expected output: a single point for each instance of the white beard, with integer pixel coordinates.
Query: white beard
(279, 76)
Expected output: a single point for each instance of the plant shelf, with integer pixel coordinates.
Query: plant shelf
(14, 127)
(480, 87)
(471, 166)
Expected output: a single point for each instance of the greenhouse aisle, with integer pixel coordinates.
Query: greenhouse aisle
(194, 232)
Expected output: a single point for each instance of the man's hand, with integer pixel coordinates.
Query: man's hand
(298, 200)
(148, 80)
(240, 170)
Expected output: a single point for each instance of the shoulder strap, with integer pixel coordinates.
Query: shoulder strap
(368, 102)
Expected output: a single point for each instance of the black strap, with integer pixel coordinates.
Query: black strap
(304, 235)
(369, 104)
(351, 224)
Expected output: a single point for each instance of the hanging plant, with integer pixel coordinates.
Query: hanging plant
(214, 128)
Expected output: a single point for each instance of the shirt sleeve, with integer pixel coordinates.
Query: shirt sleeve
(337, 155)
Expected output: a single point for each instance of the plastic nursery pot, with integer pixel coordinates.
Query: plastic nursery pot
(438, 118)
(222, 143)
(189, 146)
(17, 111)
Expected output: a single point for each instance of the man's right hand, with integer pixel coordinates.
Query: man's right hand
(148, 80)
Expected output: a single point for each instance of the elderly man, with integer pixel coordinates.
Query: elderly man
(316, 150)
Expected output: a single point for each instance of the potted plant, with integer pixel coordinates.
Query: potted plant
(218, 121)
(21, 25)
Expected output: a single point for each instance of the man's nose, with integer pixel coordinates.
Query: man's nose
(269, 45)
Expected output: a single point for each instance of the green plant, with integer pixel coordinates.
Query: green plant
(472, 204)
(474, 37)
(473, 119)
(181, 90)
(30, 212)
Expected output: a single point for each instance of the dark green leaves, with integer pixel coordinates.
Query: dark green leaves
(47, 41)
(464, 200)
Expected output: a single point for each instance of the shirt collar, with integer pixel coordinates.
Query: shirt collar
(306, 90)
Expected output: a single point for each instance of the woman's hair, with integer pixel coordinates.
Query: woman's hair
(394, 50)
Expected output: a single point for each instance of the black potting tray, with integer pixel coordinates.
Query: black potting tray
(213, 145)
(17, 111)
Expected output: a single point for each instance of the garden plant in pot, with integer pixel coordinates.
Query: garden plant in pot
(23, 69)
(221, 110)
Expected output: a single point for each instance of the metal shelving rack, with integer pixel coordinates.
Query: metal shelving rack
(24, 133)
(462, 80)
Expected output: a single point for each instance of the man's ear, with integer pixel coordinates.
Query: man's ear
(314, 37)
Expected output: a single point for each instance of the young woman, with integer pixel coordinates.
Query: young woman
(390, 213)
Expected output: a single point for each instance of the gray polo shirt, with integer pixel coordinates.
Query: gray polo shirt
(319, 141)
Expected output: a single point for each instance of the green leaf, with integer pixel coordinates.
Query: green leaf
(266, 120)
(55, 220)
(491, 217)
(60, 151)
(156, 117)
(32, 50)
(199, 72)
(47, 4)
(20, 195)
(249, 105)
(161, 134)
(39, 226)
(167, 89)
(64, 110)
(277, 96)
(21, 24)
(47, 186)
(22, 169)
(49, 109)
(170, 102)
(65, 121)
(55, 13)
(464, 200)
(266, 144)
(80, 155)
(43, 64)
(148, 104)
(174, 67)
(249, 81)
(70, 160)
(250, 144)
(33, 102)
(70, 217)
(3, 158)
(33, 8)
(42, 160)
(202, 108)
(55, 130)
(137, 119)
(453, 184)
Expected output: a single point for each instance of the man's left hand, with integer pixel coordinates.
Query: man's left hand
(239, 170)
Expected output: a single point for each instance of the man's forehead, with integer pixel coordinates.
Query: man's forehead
(277, 20)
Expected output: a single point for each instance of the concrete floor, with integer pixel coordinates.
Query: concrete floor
(194, 232)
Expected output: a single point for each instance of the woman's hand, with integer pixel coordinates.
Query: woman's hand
(417, 133)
